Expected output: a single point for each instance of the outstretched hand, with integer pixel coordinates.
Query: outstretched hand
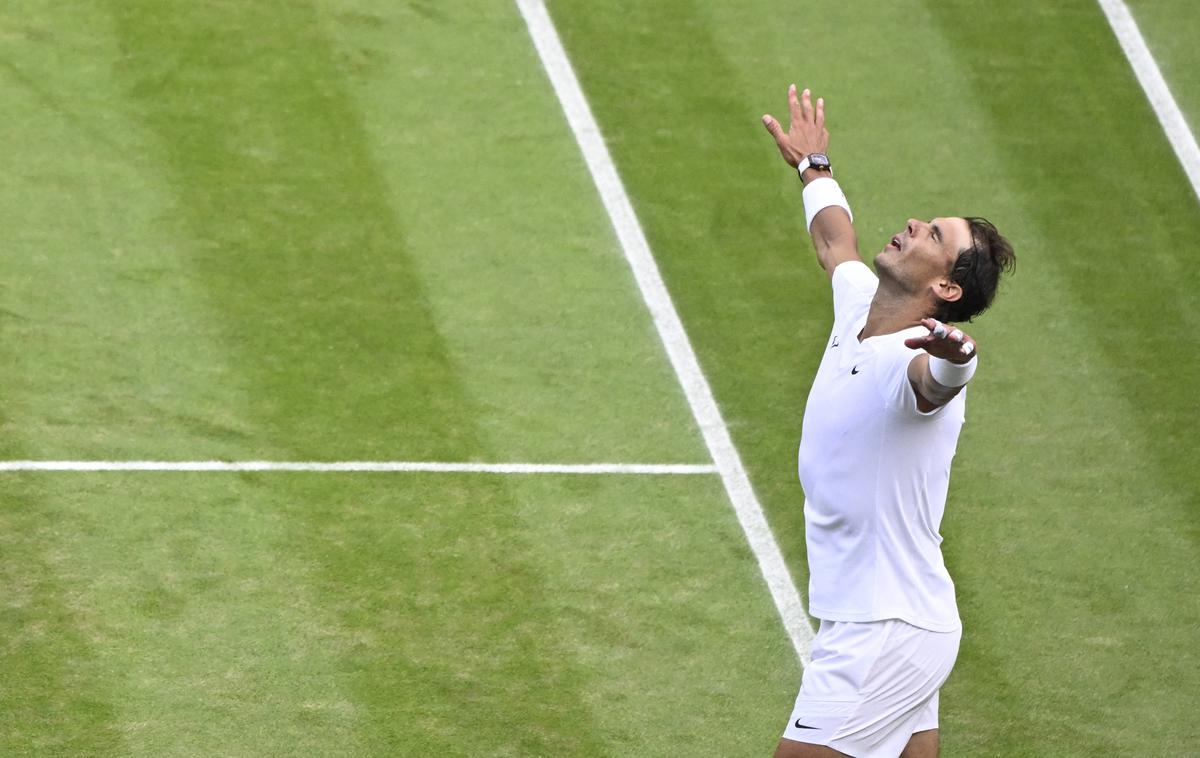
(944, 341)
(806, 134)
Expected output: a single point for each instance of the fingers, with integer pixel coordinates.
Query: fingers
(800, 105)
(940, 330)
(806, 133)
(944, 333)
(774, 128)
(781, 139)
(917, 343)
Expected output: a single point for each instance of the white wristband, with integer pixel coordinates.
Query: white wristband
(820, 194)
(950, 374)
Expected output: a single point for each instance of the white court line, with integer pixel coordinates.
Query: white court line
(1151, 79)
(670, 328)
(353, 466)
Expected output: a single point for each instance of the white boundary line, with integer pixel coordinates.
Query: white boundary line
(356, 466)
(670, 328)
(1151, 79)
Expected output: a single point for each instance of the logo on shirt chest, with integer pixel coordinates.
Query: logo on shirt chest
(835, 343)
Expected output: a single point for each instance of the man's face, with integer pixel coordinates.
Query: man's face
(923, 255)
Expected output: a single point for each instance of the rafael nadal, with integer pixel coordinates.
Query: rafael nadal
(880, 429)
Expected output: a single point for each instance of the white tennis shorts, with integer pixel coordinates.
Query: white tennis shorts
(871, 686)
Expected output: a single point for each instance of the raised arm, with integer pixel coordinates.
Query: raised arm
(832, 229)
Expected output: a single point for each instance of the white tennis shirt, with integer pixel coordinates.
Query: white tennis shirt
(875, 471)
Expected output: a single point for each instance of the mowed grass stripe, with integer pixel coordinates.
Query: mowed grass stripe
(1072, 468)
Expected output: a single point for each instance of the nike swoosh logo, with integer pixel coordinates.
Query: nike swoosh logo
(802, 726)
(835, 342)
(854, 370)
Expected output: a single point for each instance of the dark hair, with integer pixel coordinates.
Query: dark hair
(977, 270)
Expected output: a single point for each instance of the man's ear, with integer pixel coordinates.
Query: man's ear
(948, 290)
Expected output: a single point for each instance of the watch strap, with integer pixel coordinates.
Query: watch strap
(822, 163)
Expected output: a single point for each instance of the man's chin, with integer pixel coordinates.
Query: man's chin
(884, 261)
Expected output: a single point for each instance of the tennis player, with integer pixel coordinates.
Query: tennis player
(880, 430)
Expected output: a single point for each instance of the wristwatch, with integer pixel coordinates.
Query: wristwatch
(815, 160)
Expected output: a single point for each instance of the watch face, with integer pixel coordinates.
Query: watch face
(816, 160)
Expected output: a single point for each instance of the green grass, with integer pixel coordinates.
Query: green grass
(354, 229)
(259, 615)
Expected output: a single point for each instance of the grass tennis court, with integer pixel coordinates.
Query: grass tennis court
(332, 230)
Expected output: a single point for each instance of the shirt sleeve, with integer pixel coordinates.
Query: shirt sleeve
(891, 361)
(854, 285)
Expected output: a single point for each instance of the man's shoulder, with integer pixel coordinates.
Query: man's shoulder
(854, 284)
(854, 274)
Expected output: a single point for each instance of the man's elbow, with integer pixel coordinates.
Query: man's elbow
(935, 395)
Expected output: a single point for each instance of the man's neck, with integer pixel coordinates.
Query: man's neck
(893, 310)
